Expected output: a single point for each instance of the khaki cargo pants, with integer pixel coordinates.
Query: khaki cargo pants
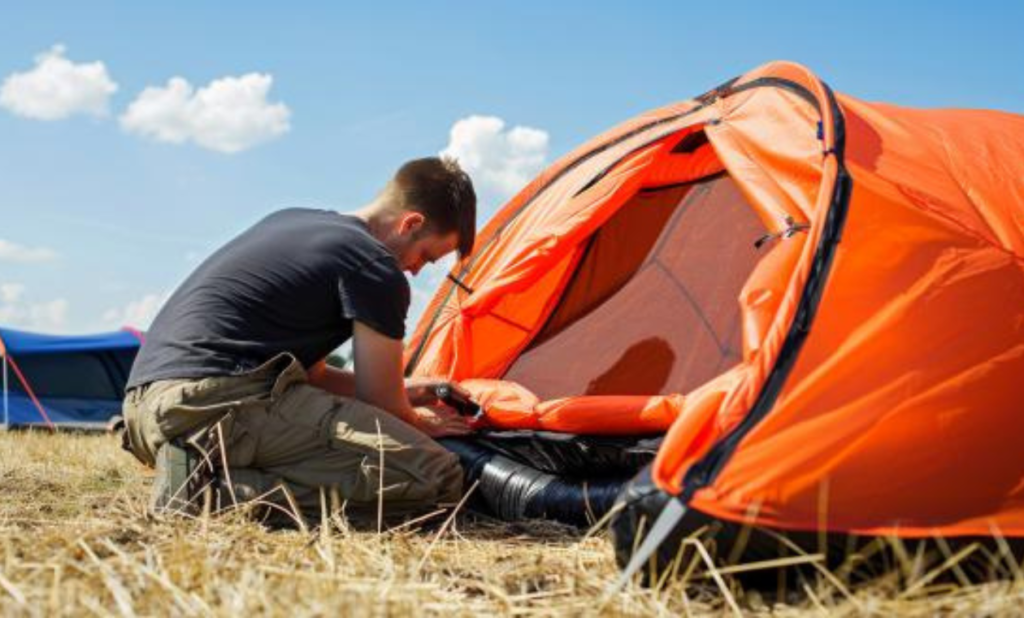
(276, 429)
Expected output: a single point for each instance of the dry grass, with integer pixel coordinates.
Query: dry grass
(74, 540)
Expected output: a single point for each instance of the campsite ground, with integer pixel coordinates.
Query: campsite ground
(74, 540)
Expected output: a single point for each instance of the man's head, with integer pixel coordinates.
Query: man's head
(429, 210)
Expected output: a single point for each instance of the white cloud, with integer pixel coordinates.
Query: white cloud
(15, 311)
(500, 161)
(138, 313)
(57, 88)
(228, 115)
(51, 315)
(13, 252)
(10, 293)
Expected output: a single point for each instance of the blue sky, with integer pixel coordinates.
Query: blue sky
(108, 197)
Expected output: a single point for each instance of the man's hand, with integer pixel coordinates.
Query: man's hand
(441, 421)
(421, 391)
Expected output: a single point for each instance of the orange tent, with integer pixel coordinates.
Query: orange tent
(819, 299)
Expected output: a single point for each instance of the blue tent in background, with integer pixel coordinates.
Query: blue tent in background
(58, 381)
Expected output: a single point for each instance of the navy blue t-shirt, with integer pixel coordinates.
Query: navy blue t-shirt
(294, 282)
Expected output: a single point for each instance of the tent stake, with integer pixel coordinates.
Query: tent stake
(663, 526)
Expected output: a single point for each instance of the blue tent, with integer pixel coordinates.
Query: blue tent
(69, 381)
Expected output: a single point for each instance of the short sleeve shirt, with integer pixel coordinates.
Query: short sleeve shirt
(294, 282)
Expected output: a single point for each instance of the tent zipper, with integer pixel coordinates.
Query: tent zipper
(706, 470)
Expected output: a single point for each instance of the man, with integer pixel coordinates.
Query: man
(232, 370)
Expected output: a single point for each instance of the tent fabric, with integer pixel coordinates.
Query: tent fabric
(881, 324)
(78, 380)
(18, 342)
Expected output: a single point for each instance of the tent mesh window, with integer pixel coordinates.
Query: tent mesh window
(652, 308)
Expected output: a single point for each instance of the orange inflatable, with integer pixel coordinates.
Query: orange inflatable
(819, 299)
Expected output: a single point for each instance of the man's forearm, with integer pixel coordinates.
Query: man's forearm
(343, 383)
(333, 380)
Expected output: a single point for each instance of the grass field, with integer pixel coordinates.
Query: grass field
(75, 540)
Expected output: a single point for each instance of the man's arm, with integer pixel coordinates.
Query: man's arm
(378, 372)
(333, 380)
(420, 391)
(379, 382)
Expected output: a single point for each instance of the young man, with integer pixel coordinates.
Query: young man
(232, 370)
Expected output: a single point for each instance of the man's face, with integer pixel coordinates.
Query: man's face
(425, 249)
(415, 247)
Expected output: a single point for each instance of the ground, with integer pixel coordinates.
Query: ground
(75, 540)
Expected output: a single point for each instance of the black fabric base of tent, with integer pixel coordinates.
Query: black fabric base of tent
(533, 474)
(848, 557)
(576, 480)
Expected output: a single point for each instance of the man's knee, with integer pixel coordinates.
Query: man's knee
(442, 475)
(420, 475)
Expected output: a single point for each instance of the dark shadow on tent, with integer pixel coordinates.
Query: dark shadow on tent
(642, 369)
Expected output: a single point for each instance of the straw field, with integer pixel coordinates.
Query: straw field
(75, 540)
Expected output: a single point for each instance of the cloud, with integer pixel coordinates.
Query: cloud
(13, 252)
(138, 313)
(500, 161)
(57, 88)
(228, 115)
(49, 316)
(10, 293)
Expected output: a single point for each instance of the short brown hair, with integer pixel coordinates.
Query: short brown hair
(438, 188)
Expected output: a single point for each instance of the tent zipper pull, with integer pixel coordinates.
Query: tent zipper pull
(792, 227)
(459, 283)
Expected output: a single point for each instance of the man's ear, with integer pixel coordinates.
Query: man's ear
(411, 222)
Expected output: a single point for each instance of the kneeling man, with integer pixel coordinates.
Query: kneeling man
(232, 370)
